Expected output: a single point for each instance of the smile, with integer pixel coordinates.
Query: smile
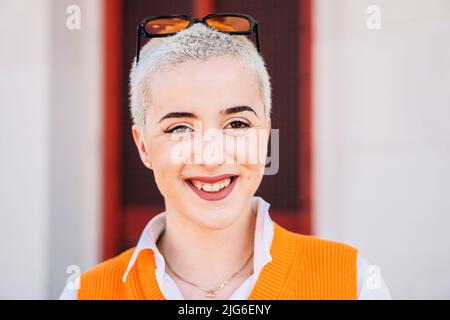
(212, 188)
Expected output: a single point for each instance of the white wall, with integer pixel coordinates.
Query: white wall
(25, 145)
(76, 110)
(50, 131)
(382, 138)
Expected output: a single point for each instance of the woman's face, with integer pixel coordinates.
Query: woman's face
(202, 149)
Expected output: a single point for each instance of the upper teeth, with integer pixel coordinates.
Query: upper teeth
(212, 187)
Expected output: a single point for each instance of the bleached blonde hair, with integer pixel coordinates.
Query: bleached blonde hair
(196, 43)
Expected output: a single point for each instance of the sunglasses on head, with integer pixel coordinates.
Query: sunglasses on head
(168, 25)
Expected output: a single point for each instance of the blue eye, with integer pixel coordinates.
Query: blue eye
(178, 129)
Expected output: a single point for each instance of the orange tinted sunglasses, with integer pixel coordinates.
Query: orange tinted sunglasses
(168, 25)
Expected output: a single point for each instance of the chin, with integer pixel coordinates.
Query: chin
(220, 218)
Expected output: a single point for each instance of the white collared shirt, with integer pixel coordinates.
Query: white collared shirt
(371, 284)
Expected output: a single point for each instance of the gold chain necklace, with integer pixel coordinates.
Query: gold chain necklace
(211, 293)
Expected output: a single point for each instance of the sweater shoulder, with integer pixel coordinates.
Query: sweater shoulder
(321, 243)
(311, 242)
(118, 263)
(107, 274)
(319, 268)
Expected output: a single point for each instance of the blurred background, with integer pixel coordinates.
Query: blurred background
(361, 96)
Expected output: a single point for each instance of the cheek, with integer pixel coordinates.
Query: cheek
(250, 178)
(166, 171)
(249, 149)
(161, 153)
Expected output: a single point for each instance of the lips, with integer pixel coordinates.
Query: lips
(212, 179)
(212, 188)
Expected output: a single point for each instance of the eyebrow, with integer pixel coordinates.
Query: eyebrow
(227, 111)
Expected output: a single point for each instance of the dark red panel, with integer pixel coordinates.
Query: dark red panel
(112, 127)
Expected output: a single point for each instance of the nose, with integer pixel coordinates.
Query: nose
(211, 151)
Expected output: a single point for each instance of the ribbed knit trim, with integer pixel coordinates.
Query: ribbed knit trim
(145, 277)
(274, 274)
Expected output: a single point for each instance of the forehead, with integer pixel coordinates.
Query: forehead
(208, 85)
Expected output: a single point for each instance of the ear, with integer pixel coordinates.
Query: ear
(269, 132)
(269, 125)
(269, 128)
(138, 137)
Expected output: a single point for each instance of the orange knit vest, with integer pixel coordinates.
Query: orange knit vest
(302, 267)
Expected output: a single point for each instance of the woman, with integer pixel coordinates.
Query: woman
(215, 240)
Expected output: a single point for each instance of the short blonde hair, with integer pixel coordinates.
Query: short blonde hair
(196, 43)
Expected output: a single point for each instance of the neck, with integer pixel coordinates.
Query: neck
(207, 255)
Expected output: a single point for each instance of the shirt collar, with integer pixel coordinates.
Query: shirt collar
(264, 230)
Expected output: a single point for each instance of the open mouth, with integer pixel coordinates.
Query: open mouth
(213, 191)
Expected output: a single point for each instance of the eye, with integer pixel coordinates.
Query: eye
(237, 124)
(180, 129)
